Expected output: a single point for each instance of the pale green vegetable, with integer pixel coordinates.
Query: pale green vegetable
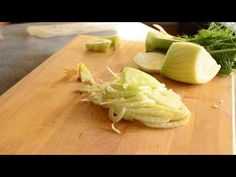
(150, 62)
(136, 96)
(100, 45)
(158, 40)
(115, 40)
(103, 44)
(190, 63)
(84, 73)
(218, 40)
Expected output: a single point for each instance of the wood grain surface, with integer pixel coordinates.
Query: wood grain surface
(42, 114)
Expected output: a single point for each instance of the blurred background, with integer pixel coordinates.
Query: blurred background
(174, 28)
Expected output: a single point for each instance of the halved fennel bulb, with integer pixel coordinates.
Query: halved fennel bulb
(137, 96)
(190, 63)
(150, 62)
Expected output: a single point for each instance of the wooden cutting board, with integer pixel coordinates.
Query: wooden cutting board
(42, 114)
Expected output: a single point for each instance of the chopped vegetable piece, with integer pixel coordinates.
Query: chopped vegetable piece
(115, 129)
(115, 40)
(190, 63)
(100, 45)
(150, 62)
(84, 73)
(135, 95)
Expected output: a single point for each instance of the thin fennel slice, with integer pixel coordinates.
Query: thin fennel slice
(143, 99)
(150, 62)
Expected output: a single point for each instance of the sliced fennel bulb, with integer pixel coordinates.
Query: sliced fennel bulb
(190, 63)
(137, 96)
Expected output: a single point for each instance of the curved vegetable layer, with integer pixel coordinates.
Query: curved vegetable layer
(190, 63)
(135, 95)
(150, 62)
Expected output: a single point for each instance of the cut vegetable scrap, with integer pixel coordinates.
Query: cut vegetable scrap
(100, 45)
(136, 96)
(190, 63)
(115, 129)
(115, 40)
(84, 73)
(112, 73)
(103, 44)
(150, 62)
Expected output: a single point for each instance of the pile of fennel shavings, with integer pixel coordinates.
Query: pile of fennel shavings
(134, 95)
(220, 43)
